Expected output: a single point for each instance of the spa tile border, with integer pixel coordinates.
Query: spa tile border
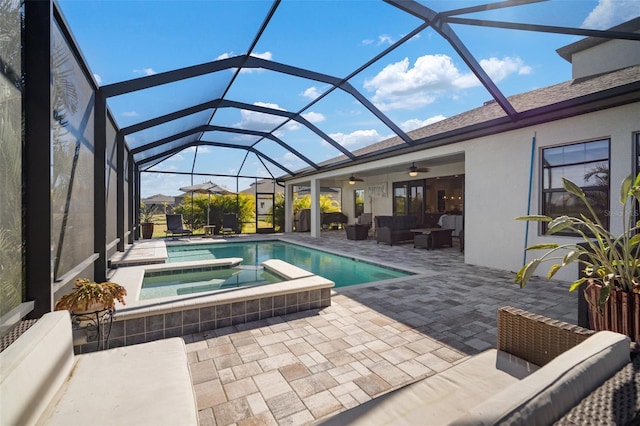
(152, 273)
(150, 324)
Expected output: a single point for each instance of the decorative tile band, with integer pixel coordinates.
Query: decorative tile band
(169, 272)
(205, 318)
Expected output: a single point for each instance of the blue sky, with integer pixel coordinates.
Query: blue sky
(419, 83)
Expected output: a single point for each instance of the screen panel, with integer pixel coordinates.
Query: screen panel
(72, 183)
(10, 159)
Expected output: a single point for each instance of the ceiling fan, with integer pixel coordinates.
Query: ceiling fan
(414, 170)
(353, 180)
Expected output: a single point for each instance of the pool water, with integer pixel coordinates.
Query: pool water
(343, 271)
(182, 282)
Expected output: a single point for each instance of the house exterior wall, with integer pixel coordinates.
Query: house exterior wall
(613, 55)
(497, 170)
(497, 181)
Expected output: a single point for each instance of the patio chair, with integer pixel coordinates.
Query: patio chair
(230, 224)
(175, 226)
(365, 219)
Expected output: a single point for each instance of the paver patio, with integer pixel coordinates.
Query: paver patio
(299, 368)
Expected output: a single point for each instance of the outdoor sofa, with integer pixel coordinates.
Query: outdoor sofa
(395, 229)
(43, 382)
(540, 370)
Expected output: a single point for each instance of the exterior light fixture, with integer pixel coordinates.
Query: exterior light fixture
(414, 170)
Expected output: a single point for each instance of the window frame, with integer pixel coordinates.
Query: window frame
(358, 208)
(544, 191)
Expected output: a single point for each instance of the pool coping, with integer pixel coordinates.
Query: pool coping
(153, 319)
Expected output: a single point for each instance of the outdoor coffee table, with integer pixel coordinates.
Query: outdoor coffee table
(432, 238)
(209, 230)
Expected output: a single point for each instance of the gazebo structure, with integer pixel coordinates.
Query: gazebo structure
(81, 169)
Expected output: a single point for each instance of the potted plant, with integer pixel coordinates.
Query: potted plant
(146, 219)
(89, 296)
(611, 262)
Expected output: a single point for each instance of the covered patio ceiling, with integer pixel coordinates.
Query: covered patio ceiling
(228, 117)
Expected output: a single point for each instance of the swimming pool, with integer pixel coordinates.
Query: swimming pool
(168, 283)
(343, 271)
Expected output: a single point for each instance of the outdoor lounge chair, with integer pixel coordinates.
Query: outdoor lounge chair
(230, 224)
(175, 226)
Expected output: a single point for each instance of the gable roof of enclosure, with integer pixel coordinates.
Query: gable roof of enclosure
(157, 139)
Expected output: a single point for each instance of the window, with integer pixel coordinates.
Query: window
(637, 170)
(400, 198)
(358, 197)
(637, 155)
(425, 198)
(587, 165)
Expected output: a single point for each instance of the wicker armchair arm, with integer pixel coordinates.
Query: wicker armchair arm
(536, 338)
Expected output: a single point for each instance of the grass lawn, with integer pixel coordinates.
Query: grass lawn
(160, 226)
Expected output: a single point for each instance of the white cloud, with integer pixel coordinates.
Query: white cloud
(314, 117)
(384, 39)
(264, 55)
(357, 139)
(98, 79)
(400, 86)
(499, 69)
(130, 114)
(145, 71)
(291, 161)
(202, 149)
(225, 55)
(609, 13)
(264, 122)
(416, 123)
(312, 92)
(368, 41)
(161, 183)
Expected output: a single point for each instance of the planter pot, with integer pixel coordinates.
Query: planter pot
(621, 313)
(90, 315)
(147, 230)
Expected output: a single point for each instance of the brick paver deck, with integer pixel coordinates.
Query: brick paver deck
(299, 368)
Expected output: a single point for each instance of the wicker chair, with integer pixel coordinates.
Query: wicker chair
(536, 338)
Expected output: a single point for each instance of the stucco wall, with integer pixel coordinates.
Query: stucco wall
(497, 170)
(497, 179)
(613, 55)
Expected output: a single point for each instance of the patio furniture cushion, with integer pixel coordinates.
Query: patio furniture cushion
(442, 398)
(43, 382)
(544, 397)
(33, 368)
(139, 384)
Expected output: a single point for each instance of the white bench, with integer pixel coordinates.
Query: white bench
(43, 382)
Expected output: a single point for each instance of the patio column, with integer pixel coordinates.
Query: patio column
(99, 185)
(121, 173)
(38, 272)
(288, 208)
(315, 208)
(131, 204)
(136, 202)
